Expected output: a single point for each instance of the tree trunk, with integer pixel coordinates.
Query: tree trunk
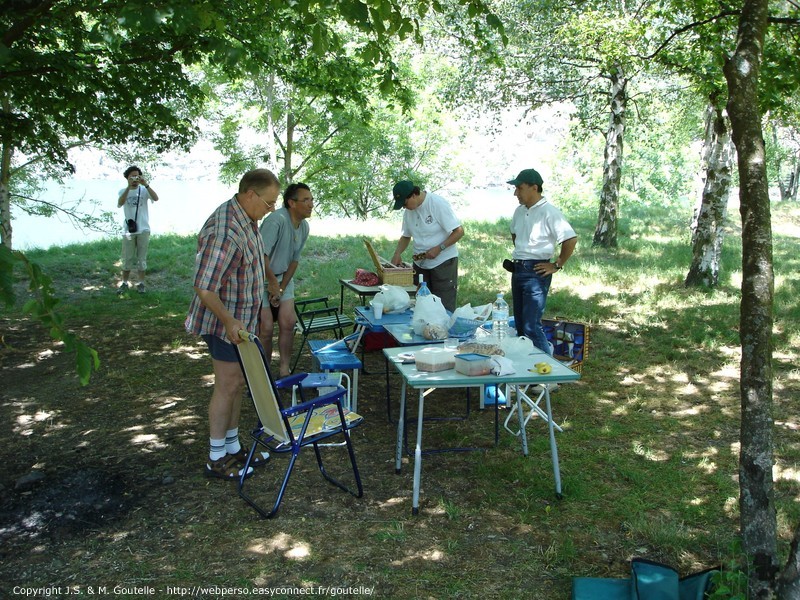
(793, 180)
(287, 155)
(605, 233)
(5, 176)
(707, 227)
(756, 495)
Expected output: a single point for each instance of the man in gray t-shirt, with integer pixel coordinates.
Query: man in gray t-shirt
(285, 232)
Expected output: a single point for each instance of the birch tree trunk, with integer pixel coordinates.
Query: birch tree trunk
(707, 226)
(790, 185)
(289, 149)
(756, 495)
(6, 230)
(605, 233)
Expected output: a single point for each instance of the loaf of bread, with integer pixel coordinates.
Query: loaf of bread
(481, 348)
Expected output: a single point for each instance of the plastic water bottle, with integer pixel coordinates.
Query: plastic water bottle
(500, 317)
(423, 288)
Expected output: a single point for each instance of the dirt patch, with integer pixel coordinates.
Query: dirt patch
(77, 502)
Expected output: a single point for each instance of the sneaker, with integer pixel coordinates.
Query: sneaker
(123, 287)
(140, 288)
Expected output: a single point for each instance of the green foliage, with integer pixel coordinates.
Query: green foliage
(730, 582)
(42, 308)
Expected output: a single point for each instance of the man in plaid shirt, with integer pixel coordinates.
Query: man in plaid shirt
(228, 285)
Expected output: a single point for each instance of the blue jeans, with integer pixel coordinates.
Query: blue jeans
(529, 290)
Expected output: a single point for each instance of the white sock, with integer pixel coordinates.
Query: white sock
(232, 445)
(217, 449)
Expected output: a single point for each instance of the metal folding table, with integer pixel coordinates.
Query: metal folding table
(425, 381)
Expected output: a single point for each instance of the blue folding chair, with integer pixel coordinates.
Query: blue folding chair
(289, 430)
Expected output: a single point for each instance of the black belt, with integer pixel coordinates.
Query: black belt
(530, 262)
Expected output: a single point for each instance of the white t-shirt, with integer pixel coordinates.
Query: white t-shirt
(136, 197)
(429, 225)
(538, 230)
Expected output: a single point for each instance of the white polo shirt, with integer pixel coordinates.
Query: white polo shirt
(538, 230)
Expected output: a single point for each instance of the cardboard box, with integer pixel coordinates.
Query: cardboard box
(402, 275)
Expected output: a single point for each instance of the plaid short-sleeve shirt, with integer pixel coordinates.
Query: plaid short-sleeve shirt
(230, 263)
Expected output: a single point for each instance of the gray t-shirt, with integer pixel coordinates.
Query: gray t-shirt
(282, 241)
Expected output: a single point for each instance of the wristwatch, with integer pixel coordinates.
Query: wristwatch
(442, 247)
(557, 266)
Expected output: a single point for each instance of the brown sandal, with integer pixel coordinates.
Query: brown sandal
(259, 458)
(226, 467)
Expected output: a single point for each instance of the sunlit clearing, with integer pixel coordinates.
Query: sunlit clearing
(707, 465)
(26, 423)
(780, 473)
(790, 425)
(193, 352)
(649, 453)
(587, 291)
(148, 439)
(732, 507)
(392, 502)
(281, 543)
(433, 554)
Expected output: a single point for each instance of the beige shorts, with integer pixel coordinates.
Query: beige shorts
(134, 251)
(288, 293)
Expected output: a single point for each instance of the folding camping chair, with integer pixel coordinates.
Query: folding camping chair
(315, 315)
(289, 430)
(570, 341)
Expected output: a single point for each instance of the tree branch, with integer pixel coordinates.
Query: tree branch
(685, 28)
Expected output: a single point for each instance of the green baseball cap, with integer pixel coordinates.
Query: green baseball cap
(401, 191)
(529, 176)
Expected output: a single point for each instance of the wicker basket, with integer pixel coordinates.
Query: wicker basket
(388, 273)
(570, 341)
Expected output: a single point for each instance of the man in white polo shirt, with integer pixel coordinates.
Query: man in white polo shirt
(430, 220)
(537, 227)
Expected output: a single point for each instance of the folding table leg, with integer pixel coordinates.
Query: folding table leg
(418, 455)
(553, 445)
(398, 457)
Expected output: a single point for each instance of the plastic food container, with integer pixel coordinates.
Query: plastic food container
(434, 359)
(473, 364)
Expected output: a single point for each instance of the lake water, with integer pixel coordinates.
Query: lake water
(184, 206)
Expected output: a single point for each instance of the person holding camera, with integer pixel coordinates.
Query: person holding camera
(136, 228)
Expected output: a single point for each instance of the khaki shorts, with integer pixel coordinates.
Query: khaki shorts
(134, 251)
(288, 292)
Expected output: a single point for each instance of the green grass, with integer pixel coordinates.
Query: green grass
(649, 451)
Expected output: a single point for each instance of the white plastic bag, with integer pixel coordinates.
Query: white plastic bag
(429, 310)
(394, 298)
(516, 346)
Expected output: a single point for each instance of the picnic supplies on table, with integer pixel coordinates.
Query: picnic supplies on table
(466, 319)
(393, 297)
(429, 311)
(402, 274)
(366, 278)
(513, 346)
